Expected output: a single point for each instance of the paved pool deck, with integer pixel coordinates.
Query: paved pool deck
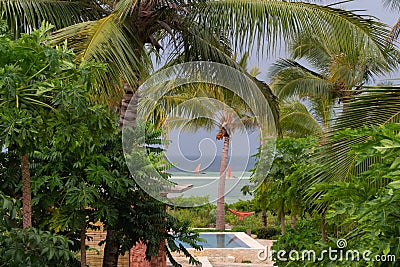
(231, 257)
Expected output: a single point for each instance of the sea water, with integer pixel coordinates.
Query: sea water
(206, 184)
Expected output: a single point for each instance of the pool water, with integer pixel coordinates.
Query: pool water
(223, 240)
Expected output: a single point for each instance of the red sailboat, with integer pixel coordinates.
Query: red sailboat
(197, 170)
(229, 172)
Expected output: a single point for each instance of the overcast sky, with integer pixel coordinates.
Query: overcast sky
(204, 142)
(373, 8)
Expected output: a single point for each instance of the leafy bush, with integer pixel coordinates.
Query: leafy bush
(244, 205)
(9, 209)
(199, 217)
(302, 238)
(31, 247)
(239, 228)
(267, 233)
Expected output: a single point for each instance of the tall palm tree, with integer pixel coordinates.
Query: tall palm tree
(207, 106)
(231, 106)
(337, 74)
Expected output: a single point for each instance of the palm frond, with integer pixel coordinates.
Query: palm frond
(377, 106)
(395, 32)
(289, 78)
(106, 42)
(26, 15)
(125, 8)
(392, 4)
(258, 22)
(296, 121)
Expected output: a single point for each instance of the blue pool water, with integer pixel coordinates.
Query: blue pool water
(225, 240)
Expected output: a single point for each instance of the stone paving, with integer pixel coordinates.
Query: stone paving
(229, 257)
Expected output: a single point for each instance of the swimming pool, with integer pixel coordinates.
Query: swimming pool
(227, 247)
(225, 240)
(222, 240)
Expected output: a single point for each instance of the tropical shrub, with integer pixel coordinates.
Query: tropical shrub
(303, 237)
(32, 247)
(267, 233)
(362, 212)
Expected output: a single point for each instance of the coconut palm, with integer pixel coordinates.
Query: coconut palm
(118, 32)
(211, 107)
(333, 74)
(336, 72)
(394, 5)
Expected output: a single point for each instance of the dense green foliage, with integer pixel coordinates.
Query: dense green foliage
(29, 247)
(364, 210)
(267, 233)
(32, 247)
(79, 175)
(281, 192)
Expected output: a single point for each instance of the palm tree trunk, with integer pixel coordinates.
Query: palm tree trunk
(26, 192)
(128, 112)
(110, 258)
(220, 224)
(83, 245)
(264, 219)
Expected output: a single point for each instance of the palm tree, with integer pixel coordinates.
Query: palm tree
(235, 104)
(394, 5)
(118, 32)
(336, 72)
(208, 107)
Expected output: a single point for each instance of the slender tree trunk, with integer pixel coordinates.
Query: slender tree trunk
(294, 220)
(26, 192)
(83, 245)
(127, 118)
(220, 224)
(264, 219)
(283, 217)
(110, 258)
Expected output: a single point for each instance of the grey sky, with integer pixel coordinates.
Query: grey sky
(373, 8)
(190, 144)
